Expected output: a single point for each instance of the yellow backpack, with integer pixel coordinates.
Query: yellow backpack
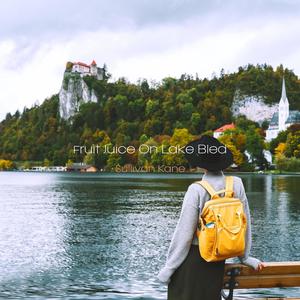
(222, 224)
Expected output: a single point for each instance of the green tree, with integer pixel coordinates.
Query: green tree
(46, 162)
(255, 146)
(151, 107)
(293, 144)
(89, 159)
(179, 139)
(114, 159)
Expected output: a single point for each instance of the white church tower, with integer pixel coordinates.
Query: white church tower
(283, 112)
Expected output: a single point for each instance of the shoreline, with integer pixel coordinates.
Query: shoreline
(147, 172)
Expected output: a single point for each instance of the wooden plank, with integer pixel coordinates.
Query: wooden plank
(271, 268)
(267, 281)
(275, 274)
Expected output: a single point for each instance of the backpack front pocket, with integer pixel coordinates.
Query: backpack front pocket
(207, 241)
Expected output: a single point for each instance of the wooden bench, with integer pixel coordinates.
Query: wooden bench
(275, 274)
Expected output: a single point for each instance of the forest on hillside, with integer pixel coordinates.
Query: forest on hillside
(173, 111)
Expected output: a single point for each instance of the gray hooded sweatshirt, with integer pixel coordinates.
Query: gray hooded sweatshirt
(185, 232)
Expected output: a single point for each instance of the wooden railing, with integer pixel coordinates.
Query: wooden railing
(275, 274)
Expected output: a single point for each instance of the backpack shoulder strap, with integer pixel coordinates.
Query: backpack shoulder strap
(208, 188)
(229, 186)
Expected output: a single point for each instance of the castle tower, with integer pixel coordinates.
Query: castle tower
(94, 68)
(283, 112)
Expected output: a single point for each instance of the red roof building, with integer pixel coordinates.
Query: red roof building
(81, 64)
(220, 130)
(83, 68)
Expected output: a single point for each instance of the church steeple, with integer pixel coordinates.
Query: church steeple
(283, 113)
(283, 91)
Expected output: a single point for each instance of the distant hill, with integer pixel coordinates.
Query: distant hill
(124, 112)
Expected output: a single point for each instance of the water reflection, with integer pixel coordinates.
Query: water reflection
(32, 232)
(105, 236)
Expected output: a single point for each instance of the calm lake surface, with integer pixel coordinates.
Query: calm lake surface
(105, 236)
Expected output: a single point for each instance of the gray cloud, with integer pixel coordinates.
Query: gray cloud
(37, 19)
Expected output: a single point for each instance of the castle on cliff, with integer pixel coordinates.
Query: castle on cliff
(86, 70)
(75, 90)
(283, 118)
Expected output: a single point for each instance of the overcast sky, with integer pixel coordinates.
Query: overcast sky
(138, 39)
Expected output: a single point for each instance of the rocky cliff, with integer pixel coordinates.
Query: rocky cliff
(253, 107)
(73, 93)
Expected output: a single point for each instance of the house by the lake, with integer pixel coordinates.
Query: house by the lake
(219, 131)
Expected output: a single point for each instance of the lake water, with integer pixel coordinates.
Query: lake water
(105, 236)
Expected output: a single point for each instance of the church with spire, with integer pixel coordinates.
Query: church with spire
(283, 118)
